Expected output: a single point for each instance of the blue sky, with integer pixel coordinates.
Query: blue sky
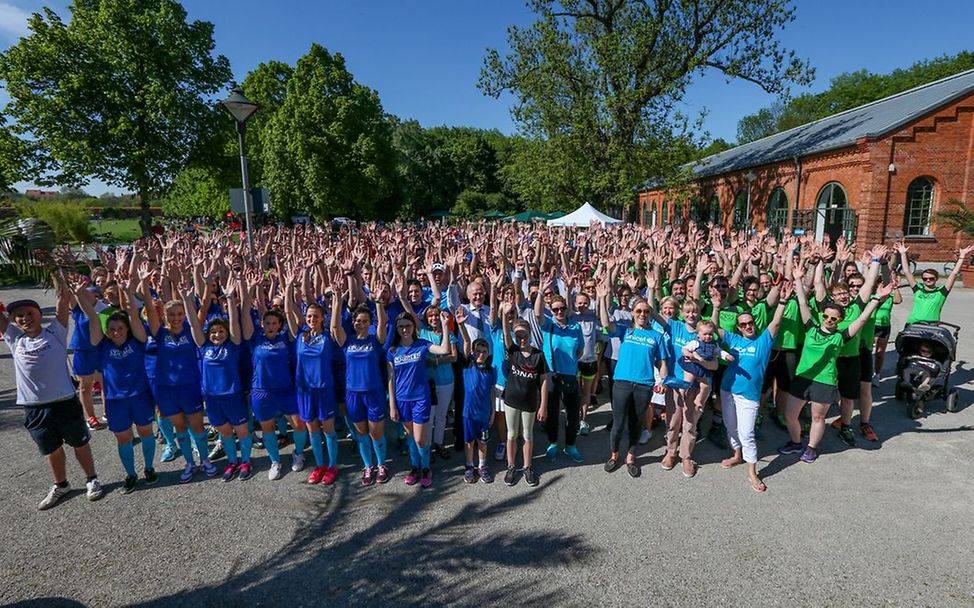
(424, 56)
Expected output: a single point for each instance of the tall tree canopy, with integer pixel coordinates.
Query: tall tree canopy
(123, 93)
(597, 82)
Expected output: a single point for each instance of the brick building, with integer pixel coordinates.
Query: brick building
(877, 172)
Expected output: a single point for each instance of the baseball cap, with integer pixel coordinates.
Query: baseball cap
(438, 267)
(13, 306)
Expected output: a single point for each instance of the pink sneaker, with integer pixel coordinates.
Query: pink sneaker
(316, 475)
(367, 478)
(383, 475)
(412, 476)
(330, 475)
(427, 479)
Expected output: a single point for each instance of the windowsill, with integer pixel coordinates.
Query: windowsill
(918, 238)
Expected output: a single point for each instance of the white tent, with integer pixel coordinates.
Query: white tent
(584, 216)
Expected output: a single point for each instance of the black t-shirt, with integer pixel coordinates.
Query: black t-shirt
(523, 389)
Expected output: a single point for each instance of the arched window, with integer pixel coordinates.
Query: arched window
(777, 202)
(698, 210)
(664, 219)
(919, 204)
(678, 213)
(740, 219)
(831, 195)
(715, 215)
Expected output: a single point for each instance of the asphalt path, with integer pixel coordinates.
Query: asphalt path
(887, 524)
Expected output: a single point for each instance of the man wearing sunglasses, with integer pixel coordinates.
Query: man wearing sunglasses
(928, 299)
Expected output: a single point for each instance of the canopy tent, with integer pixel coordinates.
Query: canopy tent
(527, 216)
(555, 215)
(493, 214)
(584, 216)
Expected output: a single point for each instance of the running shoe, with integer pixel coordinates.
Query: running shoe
(470, 475)
(230, 472)
(316, 474)
(583, 428)
(645, 436)
(274, 472)
(426, 480)
(329, 476)
(500, 453)
(383, 475)
(54, 496)
(485, 475)
(809, 455)
(867, 432)
(128, 486)
(93, 489)
(412, 477)
(573, 453)
(510, 477)
(151, 476)
(244, 471)
(552, 451)
(209, 468)
(94, 424)
(847, 436)
(187, 475)
(790, 447)
(297, 462)
(530, 476)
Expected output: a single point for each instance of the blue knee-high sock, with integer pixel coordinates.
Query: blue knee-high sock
(365, 449)
(380, 449)
(185, 446)
(414, 457)
(270, 444)
(300, 440)
(317, 448)
(230, 447)
(331, 441)
(167, 430)
(126, 453)
(148, 451)
(281, 425)
(424, 453)
(201, 445)
(246, 444)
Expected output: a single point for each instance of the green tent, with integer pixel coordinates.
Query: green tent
(527, 216)
(493, 214)
(554, 215)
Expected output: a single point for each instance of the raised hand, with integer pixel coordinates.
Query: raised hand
(461, 315)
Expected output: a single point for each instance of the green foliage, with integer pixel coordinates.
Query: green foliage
(847, 91)
(472, 203)
(118, 231)
(957, 216)
(328, 148)
(122, 93)
(68, 221)
(197, 192)
(597, 83)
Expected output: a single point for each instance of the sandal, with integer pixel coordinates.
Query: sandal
(759, 486)
(611, 464)
(633, 469)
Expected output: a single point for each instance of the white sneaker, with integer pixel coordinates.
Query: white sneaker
(501, 452)
(645, 436)
(94, 489)
(297, 463)
(53, 497)
(274, 473)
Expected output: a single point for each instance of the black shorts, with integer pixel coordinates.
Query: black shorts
(781, 368)
(865, 365)
(882, 332)
(53, 424)
(816, 392)
(588, 369)
(848, 368)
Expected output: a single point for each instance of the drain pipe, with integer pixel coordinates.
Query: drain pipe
(798, 189)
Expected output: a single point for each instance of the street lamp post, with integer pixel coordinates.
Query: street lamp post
(750, 176)
(242, 109)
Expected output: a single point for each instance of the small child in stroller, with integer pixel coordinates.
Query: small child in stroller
(921, 371)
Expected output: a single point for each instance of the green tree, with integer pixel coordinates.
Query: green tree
(122, 93)
(197, 191)
(328, 147)
(598, 81)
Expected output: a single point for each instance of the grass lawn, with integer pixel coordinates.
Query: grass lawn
(116, 230)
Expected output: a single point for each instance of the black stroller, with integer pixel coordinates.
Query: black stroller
(922, 377)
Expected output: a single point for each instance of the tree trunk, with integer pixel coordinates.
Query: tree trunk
(145, 218)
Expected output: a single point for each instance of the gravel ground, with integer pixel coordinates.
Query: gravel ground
(883, 524)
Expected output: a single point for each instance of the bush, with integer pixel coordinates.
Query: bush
(68, 221)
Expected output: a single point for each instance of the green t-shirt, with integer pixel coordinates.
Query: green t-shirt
(852, 312)
(867, 335)
(792, 331)
(884, 314)
(762, 315)
(927, 304)
(819, 352)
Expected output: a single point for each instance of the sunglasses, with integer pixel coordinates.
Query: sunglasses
(855, 285)
(745, 323)
(929, 278)
(557, 309)
(831, 318)
(641, 311)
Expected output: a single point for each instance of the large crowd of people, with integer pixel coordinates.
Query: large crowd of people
(467, 334)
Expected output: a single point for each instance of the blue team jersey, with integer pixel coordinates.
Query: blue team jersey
(363, 361)
(123, 368)
(314, 360)
(562, 346)
(477, 382)
(151, 349)
(221, 369)
(640, 350)
(745, 375)
(441, 374)
(409, 363)
(177, 362)
(272, 361)
(81, 338)
(679, 336)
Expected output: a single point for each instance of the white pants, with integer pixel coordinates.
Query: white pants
(444, 399)
(739, 417)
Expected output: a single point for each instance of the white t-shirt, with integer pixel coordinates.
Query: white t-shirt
(40, 364)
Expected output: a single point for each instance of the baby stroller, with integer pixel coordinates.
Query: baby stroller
(926, 353)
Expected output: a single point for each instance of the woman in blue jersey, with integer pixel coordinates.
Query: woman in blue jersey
(84, 360)
(409, 391)
(121, 357)
(220, 353)
(634, 378)
(313, 380)
(364, 394)
(272, 387)
(440, 369)
(177, 382)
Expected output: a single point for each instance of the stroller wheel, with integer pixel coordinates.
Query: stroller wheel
(914, 409)
(952, 400)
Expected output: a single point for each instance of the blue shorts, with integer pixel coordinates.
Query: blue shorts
(123, 413)
(362, 405)
(414, 411)
(181, 399)
(84, 362)
(226, 409)
(316, 403)
(475, 430)
(268, 404)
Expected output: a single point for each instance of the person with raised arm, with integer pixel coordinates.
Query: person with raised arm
(928, 299)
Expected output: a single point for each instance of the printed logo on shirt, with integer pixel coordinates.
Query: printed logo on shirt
(407, 359)
(23, 351)
(360, 348)
(172, 340)
(273, 346)
(520, 372)
(216, 354)
(121, 353)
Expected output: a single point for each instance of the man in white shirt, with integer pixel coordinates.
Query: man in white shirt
(53, 414)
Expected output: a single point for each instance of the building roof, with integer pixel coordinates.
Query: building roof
(840, 130)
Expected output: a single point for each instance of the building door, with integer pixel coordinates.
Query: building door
(831, 207)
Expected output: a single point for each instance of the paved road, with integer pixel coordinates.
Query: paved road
(878, 525)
